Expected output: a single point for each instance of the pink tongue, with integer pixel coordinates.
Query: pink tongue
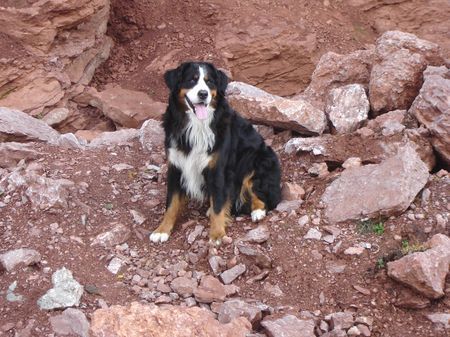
(201, 111)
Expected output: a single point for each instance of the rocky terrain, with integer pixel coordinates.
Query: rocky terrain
(352, 95)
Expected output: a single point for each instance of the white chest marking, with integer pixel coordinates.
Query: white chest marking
(191, 167)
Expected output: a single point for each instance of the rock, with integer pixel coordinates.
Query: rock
(354, 250)
(11, 153)
(66, 291)
(352, 162)
(273, 290)
(56, 116)
(232, 309)
(335, 333)
(303, 220)
(116, 236)
(393, 41)
(396, 81)
(115, 138)
(169, 321)
(380, 122)
(408, 299)
(71, 321)
(335, 267)
(184, 286)
(318, 170)
(195, 233)
(261, 107)
(259, 234)
(353, 331)
(424, 272)
(138, 217)
(340, 320)
(277, 57)
(151, 135)
(216, 263)
(22, 256)
(313, 234)
(228, 276)
(127, 108)
(114, 265)
(291, 191)
(376, 190)
(289, 206)
(261, 259)
(16, 125)
(432, 109)
(69, 140)
(334, 71)
(442, 320)
(347, 107)
(288, 326)
(210, 290)
(11, 296)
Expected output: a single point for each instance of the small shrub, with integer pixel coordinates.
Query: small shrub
(371, 226)
(408, 248)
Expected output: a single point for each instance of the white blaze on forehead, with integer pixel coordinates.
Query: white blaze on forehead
(192, 94)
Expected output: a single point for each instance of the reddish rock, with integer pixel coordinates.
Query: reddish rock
(288, 326)
(11, 153)
(184, 286)
(441, 320)
(16, 125)
(377, 124)
(117, 235)
(235, 308)
(334, 71)
(22, 256)
(292, 191)
(396, 81)
(276, 57)
(127, 108)
(432, 109)
(228, 276)
(168, 321)
(340, 320)
(424, 272)
(347, 107)
(263, 108)
(261, 259)
(408, 299)
(376, 190)
(210, 290)
(71, 321)
(259, 234)
(88, 135)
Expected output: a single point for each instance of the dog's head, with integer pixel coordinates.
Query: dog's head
(197, 86)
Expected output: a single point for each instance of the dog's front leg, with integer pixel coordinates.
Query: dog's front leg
(219, 211)
(176, 200)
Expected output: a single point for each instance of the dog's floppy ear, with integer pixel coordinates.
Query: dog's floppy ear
(172, 77)
(222, 81)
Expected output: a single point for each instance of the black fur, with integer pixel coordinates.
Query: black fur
(238, 147)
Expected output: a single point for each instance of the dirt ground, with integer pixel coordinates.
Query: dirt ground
(301, 268)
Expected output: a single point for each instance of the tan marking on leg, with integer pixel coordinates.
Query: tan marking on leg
(170, 216)
(247, 193)
(219, 222)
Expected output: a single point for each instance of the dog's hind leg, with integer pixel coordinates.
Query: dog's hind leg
(176, 200)
(248, 195)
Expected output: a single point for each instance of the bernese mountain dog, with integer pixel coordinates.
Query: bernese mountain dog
(213, 153)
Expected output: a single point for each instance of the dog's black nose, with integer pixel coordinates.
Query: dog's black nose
(203, 94)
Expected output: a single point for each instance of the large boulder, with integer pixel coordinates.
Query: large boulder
(432, 108)
(276, 57)
(50, 50)
(16, 125)
(336, 70)
(425, 272)
(376, 190)
(127, 108)
(12, 152)
(169, 321)
(395, 81)
(261, 107)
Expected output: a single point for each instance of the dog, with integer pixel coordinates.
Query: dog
(213, 153)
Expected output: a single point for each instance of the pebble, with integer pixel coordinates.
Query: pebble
(313, 234)
(258, 235)
(114, 265)
(354, 251)
(230, 275)
(196, 232)
(302, 221)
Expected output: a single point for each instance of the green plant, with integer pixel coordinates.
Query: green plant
(381, 263)
(109, 206)
(371, 226)
(408, 248)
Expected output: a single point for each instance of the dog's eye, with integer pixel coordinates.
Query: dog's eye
(209, 81)
(192, 81)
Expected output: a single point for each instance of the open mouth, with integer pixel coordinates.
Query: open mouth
(200, 109)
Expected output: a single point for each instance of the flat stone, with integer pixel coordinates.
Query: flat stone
(292, 191)
(442, 320)
(261, 258)
(116, 236)
(195, 233)
(66, 291)
(288, 326)
(313, 234)
(228, 276)
(71, 321)
(114, 265)
(340, 320)
(184, 286)
(22, 256)
(210, 290)
(354, 250)
(258, 235)
(235, 308)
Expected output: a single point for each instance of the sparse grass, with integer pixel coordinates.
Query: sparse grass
(408, 248)
(381, 264)
(109, 206)
(371, 226)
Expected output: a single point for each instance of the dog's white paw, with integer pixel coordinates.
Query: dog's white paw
(159, 237)
(258, 214)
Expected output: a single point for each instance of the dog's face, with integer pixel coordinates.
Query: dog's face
(198, 86)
